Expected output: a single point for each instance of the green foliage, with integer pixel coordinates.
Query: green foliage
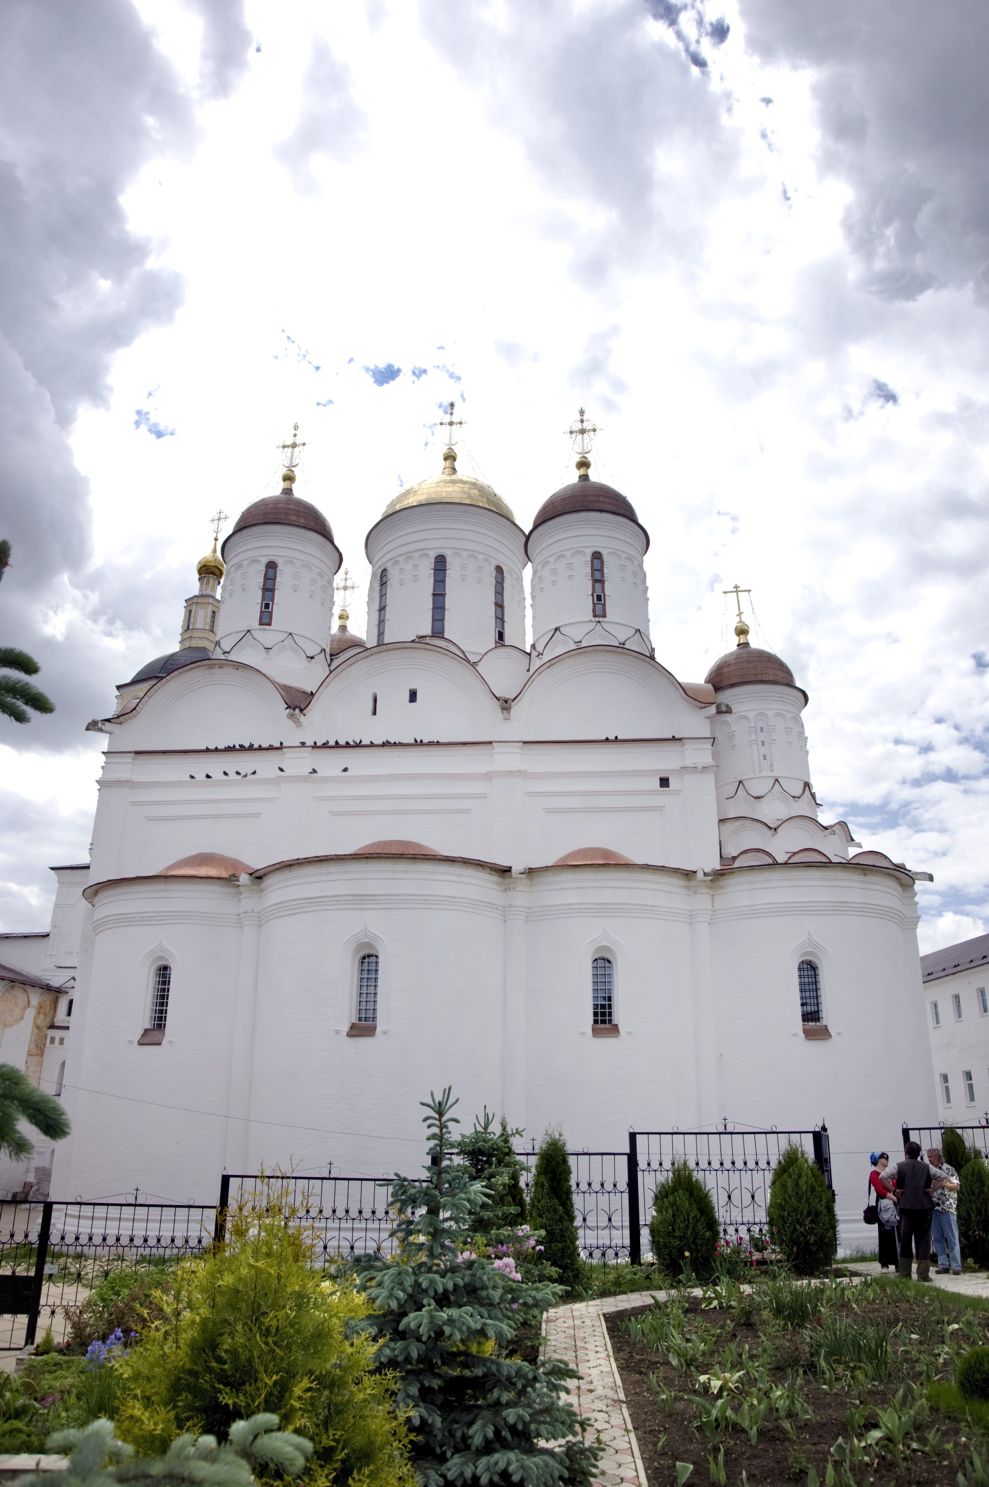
(684, 1230)
(802, 1219)
(972, 1374)
(973, 1211)
(254, 1327)
(446, 1320)
(487, 1153)
(551, 1209)
(21, 1100)
(98, 1459)
(122, 1299)
(16, 696)
(953, 1149)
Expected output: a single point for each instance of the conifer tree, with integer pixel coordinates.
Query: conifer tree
(803, 1224)
(684, 1229)
(445, 1319)
(488, 1152)
(21, 1100)
(551, 1209)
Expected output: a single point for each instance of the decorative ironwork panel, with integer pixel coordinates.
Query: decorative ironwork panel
(347, 1216)
(976, 1135)
(600, 1200)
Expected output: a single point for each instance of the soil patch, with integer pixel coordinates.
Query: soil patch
(865, 1413)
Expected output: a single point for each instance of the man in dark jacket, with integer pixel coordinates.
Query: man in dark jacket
(913, 1192)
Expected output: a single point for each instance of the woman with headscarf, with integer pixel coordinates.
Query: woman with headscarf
(888, 1219)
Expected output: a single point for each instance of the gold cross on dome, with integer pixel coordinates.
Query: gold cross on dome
(450, 423)
(293, 458)
(738, 593)
(346, 587)
(582, 432)
(216, 522)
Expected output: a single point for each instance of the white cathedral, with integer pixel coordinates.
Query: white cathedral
(510, 853)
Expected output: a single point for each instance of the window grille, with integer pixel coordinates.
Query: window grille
(809, 986)
(602, 991)
(382, 604)
(956, 1005)
(935, 1015)
(439, 595)
(983, 1000)
(367, 988)
(160, 991)
(599, 605)
(945, 1090)
(212, 619)
(969, 1086)
(499, 605)
(268, 593)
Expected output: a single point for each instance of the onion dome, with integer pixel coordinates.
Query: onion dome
(341, 640)
(585, 494)
(164, 665)
(211, 564)
(205, 865)
(283, 510)
(592, 857)
(396, 847)
(746, 663)
(449, 488)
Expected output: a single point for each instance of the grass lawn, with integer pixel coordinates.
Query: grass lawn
(828, 1385)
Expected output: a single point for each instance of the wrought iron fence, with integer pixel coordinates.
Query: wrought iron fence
(600, 1200)
(347, 1217)
(976, 1135)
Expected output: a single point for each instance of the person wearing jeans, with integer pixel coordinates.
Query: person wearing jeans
(944, 1223)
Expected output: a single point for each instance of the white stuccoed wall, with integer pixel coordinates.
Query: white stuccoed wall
(560, 554)
(761, 740)
(474, 541)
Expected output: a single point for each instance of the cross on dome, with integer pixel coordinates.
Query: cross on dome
(346, 587)
(741, 628)
(582, 434)
(288, 474)
(216, 522)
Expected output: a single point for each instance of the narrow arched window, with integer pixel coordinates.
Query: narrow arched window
(268, 593)
(499, 605)
(366, 1007)
(809, 987)
(161, 988)
(602, 991)
(382, 604)
(439, 595)
(599, 606)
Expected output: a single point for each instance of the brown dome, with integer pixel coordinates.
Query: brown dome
(586, 494)
(396, 847)
(585, 856)
(283, 510)
(342, 640)
(746, 663)
(205, 865)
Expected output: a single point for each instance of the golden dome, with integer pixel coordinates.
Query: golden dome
(211, 563)
(450, 488)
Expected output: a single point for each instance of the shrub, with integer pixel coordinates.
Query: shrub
(802, 1219)
(953, 1149)
(445, 1319)
(551, 1209)
(684, 1229)
(254, 1328)
(973, 1211)
(972, 1374)
(488, 1154)
(119, 1302)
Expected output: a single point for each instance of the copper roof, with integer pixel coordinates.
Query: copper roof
(172, 661)
(396, 847)
(205, 865)
(283, 510)
(585, 494)
(746, 663)
(584, 856)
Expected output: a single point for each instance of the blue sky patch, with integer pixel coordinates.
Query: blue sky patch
(143, 420)
(381, 376)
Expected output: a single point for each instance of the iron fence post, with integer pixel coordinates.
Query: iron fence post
(905, 1132)
(220, 1226)
(822, 1153)
(41, 1260)
(634, 1221)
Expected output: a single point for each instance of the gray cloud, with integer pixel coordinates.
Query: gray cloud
(330, 122)
(226, 46)
(903, 108)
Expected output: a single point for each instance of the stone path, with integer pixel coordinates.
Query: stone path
(578, 1335)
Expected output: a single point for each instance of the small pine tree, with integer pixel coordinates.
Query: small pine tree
(684, 1229)
(953, 1149)
(443, 1320)
(551, 1210)
(488, 1153)
(973, 1210)
(803, 1224)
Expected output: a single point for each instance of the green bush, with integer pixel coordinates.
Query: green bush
(551, 1210)
(953, 1149)
(488, 1154)
(802, 1220)
(253, 1328)
(972, 1374)
(684, 1229)
(120, 1300)
(973, 1211)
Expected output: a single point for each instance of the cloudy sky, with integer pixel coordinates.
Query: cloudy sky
(752, 238)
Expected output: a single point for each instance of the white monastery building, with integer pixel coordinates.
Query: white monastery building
(956, 989)
(507, 851)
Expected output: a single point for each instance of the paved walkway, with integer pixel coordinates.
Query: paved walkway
(578, 1334)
